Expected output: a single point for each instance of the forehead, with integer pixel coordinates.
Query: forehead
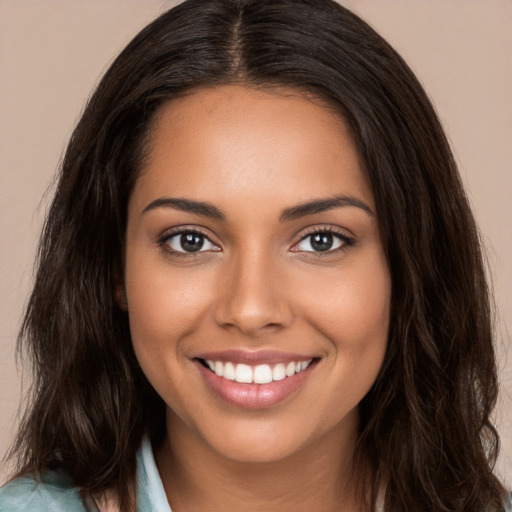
(229, 142)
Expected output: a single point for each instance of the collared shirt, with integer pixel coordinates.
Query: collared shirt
(55, 492)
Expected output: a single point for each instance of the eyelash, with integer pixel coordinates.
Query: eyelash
(346, 241)
(164, 239)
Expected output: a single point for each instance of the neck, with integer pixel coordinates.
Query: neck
(319, 477)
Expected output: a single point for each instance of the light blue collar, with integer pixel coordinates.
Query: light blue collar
(150, 490)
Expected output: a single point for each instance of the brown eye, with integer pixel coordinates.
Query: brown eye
(190, 241)
(321, 242)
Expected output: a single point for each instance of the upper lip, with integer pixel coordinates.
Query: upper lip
(253, 358)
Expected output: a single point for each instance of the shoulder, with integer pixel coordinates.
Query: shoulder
(52, 491)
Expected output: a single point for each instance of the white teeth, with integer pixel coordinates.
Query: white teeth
(278, 373)
(260, 374)
(290, 369)
(243, 373)
(229, 371)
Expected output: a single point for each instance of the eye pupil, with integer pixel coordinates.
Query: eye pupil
(321, 241)
(191, 242)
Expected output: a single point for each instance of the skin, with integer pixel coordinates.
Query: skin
(257, 286)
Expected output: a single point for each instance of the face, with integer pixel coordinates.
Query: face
(256, 284)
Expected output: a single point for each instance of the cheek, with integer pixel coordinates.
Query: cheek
(163, 297)
(354, 319)
(164, 306)
(351, 307)
(354, 302)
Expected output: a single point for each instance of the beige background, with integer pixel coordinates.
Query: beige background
(52, 53)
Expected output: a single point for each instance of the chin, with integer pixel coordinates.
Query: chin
(258, 451)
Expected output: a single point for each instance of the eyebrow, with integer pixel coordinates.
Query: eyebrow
(295, 212)
(322, 205)
(186, 205)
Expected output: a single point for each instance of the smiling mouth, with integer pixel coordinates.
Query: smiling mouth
(259, 374)
(255, 380)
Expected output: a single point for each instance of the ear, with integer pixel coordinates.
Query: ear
(120, 292)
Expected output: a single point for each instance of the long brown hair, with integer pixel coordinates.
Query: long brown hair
(425, 429)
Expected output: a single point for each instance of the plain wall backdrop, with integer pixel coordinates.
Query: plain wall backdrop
(52, 53)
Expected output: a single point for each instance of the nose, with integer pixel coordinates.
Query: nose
(253, 296)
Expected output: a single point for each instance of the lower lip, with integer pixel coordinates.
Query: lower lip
(254, 396)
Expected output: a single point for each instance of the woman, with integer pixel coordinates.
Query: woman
(260, 284)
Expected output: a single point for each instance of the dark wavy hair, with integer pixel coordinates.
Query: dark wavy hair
(425, 429)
